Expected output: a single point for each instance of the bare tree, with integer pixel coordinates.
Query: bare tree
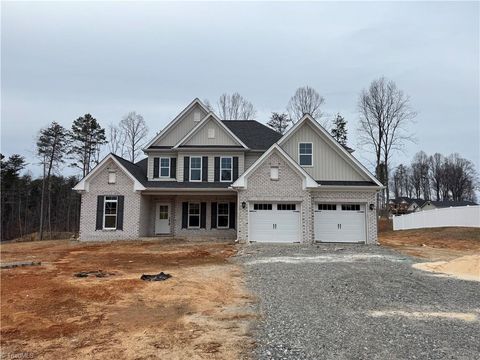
(135, 131)
(437, 170)
(235, 107)
(385, 113)
(420, 175)
(306, 100)
(116, 142)
(460, 178)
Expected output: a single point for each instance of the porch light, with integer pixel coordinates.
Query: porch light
(372, 206)
(244, 205)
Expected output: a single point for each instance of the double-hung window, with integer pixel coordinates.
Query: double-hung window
(194, 215)
(110, 210)
(196, 168)
(164, 167)
(305, 154)
(223, 214)
(226, 169)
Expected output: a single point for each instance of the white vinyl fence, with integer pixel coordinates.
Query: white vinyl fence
(468, 216)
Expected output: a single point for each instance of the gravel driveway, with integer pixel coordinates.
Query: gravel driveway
(358, 302)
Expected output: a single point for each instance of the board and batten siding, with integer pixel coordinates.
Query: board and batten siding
(150, 160)
(328, 164)
(181, 128)
(221, 137)
(211, 162)
(251, 157)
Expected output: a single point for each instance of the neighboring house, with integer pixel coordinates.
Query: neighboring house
(430, 205)
(205, 178)
(404, 205)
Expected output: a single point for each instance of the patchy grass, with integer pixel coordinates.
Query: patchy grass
(434, 243)
(203, 311)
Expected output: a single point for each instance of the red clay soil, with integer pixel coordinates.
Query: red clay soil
(434, 243)
(203, 311)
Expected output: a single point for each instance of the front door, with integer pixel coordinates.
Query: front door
(162, 219)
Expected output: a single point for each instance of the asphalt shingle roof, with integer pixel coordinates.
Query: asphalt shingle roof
(253, 134)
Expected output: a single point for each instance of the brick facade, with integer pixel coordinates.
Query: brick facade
(339, 196)
(98, 186)
(260, 187)
(289, 188)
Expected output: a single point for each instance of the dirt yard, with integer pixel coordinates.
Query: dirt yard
(450, 251)
(202, 312)
(433, 244)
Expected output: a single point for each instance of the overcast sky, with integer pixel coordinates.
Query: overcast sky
(62, 60)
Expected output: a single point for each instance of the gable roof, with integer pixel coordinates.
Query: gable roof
(255, 135)
(308, 182)
(446, 204)
(157, 137)
(202, 123)
(133, 171)
(334, 143)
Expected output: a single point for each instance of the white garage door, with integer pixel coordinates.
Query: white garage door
(340, 223)
(274, 222)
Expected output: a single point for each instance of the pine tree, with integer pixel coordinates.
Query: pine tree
(87, 139)
(51, 149)
(279, 122)
(339, 130)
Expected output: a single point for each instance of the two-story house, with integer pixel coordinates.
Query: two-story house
(205, 178)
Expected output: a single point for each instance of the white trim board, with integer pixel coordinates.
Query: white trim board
(157, 137)
(83, 185)
(308, 181)
(202, 123)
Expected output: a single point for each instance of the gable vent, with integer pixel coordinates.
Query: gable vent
(196, 116)
(211, 133)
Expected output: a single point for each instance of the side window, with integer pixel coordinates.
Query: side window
(110, 207)
(164, 167)
(305, 154)
(226, 169)
(194, 215)
(223, 214)
(196, 168)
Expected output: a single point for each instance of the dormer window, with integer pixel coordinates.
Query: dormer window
(305, 154)
(112, 177)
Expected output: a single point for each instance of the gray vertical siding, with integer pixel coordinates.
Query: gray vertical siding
(328, 164)
(221, 136)
(181, 128)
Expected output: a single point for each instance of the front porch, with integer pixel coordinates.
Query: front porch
(190, 217)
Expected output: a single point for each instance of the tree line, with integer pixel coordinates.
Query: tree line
(436, 177)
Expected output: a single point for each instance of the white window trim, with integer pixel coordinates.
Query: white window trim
(303, 142)
(199, 216)
(231, 168)
(160, 167)
(228, 216)
(201, 168)
(116, 212)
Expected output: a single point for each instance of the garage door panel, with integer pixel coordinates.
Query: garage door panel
(340, 224)
(274, 225)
